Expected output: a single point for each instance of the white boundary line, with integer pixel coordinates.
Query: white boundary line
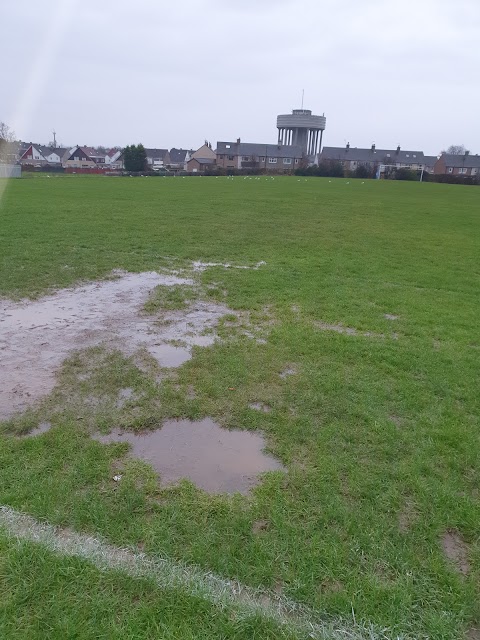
(170, 574)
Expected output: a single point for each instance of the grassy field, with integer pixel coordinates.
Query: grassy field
(379, 428)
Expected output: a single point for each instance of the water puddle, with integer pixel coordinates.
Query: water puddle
(42, 427)
(169, 356)
(215, 459)
(36, 337)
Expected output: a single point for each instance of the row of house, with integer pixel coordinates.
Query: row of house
(372, 158)
(352, 157)
(83, 157)
(247, 156)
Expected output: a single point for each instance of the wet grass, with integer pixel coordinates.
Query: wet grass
(379, 432)
(173, 298)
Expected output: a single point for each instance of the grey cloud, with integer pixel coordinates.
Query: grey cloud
(174, 73)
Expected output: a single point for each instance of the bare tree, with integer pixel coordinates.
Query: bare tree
(456, 150)
(7, 136)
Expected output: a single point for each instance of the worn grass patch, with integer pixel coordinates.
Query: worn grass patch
(380, 435)
(170, 298)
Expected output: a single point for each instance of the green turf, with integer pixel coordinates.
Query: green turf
(380, 433)
(45, 596)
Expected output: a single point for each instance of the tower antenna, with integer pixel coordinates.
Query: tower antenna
(54, 139)
(303, 93)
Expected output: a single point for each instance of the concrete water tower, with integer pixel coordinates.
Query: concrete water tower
(303, 129)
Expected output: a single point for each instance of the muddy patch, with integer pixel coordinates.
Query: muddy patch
(260, 406)
(456, 550)
(289, 371)
(42, 427)
(260, 525)
(407, 518)
(349, 331)
(124, 396)
(201, 266)
(36, 337)
(215, 459)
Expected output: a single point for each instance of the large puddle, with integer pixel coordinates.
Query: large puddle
(215, 459)
(36, 337)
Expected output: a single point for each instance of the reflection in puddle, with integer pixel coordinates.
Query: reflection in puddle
(215, 459)
(169, 356)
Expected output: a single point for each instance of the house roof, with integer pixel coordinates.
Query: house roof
(93, 153)
(178, 155)
(256, 149)
(430, 160)
(45, 151)
(24, 148)
(77, 150)
(156, 153)
(204, 152)
(372, 155)
(467, 160)
(204, 160)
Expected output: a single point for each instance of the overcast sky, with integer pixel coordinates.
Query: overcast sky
(172, 73)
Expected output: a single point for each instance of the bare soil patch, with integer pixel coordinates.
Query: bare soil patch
(456, 550)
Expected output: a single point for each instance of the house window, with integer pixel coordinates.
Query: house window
(245, 158)
(407, 155)
(272, 161)
(296, 160)
(287, 161)
(414, 156)
(221, 157)
(474, 172)
(462, 170)
(227, 146)
(450, 169)
(76, 158)
(388, 155)
(262, 159)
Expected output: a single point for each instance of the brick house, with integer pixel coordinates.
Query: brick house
(201, 160)
(249, 155)
(458, 165)
(352, 157)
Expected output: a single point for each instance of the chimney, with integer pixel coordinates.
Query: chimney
(373, 147)
(348, 146)
(398, 150)
(467, 152)
(238, 140)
